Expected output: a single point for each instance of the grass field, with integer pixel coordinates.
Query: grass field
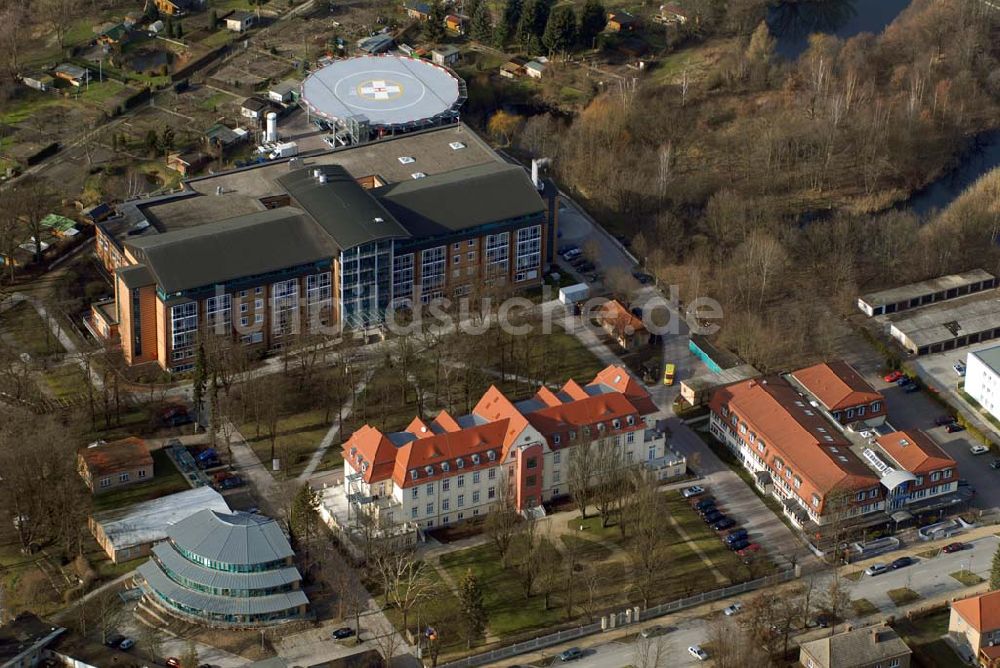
(167, 479)
(862, 607)
(968, 578)
(23, 330)
(924, 636)
(903, 596)
(65, 381)
(298, 437)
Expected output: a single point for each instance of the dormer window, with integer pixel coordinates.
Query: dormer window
(572, 435)
(445, 466)
(413, 474)
(616, 423)
(600, 427)
(364, 467)
(354, 451)
(429, 470)
(630, 420)
(460, 463)
(475, 459)
(586, 431)
(492, 456)
(556, 439)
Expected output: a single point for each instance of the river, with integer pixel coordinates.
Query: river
(792, 21)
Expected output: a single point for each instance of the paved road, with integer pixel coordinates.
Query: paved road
(618, 654)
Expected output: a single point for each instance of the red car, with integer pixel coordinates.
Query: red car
(893, 376)
(953, 547)
(749, 550)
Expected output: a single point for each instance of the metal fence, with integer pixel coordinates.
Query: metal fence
(551, 639)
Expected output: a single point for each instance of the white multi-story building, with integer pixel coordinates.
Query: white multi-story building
(448, 470)
(982, 379)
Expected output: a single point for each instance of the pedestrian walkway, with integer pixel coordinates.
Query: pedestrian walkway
(332, 433)
(719, 577)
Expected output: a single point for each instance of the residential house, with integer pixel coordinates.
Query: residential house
(671, 13)
(25, 639)
(445, 55)
(114, 34)
(38, 80)
(76, 76)
(178, 7)
(453, 468)
(456, 23)
(513, 68)
(187, 163)
(869, 647)
(841, 391)
(285, 92)
(240, 21)
(417, 10)
(975, 625)
(624, 327)
(621, 22)
(107, 466)
(534, 69)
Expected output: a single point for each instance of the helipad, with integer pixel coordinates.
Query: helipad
(390, 91)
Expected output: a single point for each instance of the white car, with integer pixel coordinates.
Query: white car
(694, 490)
(697, 652)
(876, 569)
(734, 609)
(330, 141)
(979, 449)
(959, 368)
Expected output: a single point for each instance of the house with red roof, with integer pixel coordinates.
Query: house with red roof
(843, 393)
(106, 466)
(975, 623)
(442, 471)
(622, 325)
(792, 432)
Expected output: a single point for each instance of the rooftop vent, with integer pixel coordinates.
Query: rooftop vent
(406, 160)
(418, 175)
(378, 219)
(456, 145)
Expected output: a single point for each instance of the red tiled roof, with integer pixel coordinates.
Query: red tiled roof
(915, 451)
(597, 409)
(620, 318)
(795, 433)
(448, 447)
(981, 612)
(124, 455)
(837, 385)
(620, 380)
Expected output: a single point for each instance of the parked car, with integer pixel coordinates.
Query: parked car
(944, 420)
(173, 662)
(738, 545)
(586, 267)
(571, 253)
(571, 654)
(704, 503)
(995, 464)
(697, 652)
(567, 248)
(902, 562)
(114, 640)
(911, 388)
(707, 510)
(175, 416)
(694, 490)
(738, 534)
(876, 569)
(749, 550)
(643, 278)
(823, 620)
(979, 449)
(893, 376)
(126, 644)
(959, 368)
(954, 427)
(903, 380)
(734, 609)
(652, 631)
(953, 547)
(723, 524)
(343, 632)
(713, 517)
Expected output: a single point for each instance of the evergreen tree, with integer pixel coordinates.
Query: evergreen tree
(472, 607)
(511, 16)
(213, 19)
(501, 33)
(435, 24)
(303, 518)
(180, 29)
(560, 30)
(593, 19)
(470, 7)
(995, 572)
(534, 17)
(482, 23)
(200, 378)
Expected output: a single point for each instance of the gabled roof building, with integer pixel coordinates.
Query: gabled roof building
(226, 570)
(443, 471)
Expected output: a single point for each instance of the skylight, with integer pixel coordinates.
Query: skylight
(456, 145)
(406, 160)
(418, 175)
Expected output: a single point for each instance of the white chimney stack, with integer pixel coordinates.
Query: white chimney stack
(272, 127)
(536, 163)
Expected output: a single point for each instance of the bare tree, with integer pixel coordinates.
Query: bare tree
(580, 474)
(648, 545)
(502, 520)
(405, 580)
(654, 652)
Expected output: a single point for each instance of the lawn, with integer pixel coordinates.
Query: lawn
(924, 636)
(213, 101)
(65, 380)
(863, 607)
(587, 549)
(967, 578)
(25, 332)
(903, 596)
(508, 611)
(299, 434)
(26, 104)
(167, 479)
(217, 39)
(705, 537)
(99, 93)
(854, 576)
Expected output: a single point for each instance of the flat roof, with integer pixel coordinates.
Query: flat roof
(389, 91)
(990, 357)
(928, 287)
(707, 381)
(147, 522)
(945, 321)
(432, 152)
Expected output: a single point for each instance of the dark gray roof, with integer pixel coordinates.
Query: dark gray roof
(860, 647)
(223, 605)
(461, 199)
(241, 538)
(348, 212)
(136, 276)
(213, 253)
(214, 579)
